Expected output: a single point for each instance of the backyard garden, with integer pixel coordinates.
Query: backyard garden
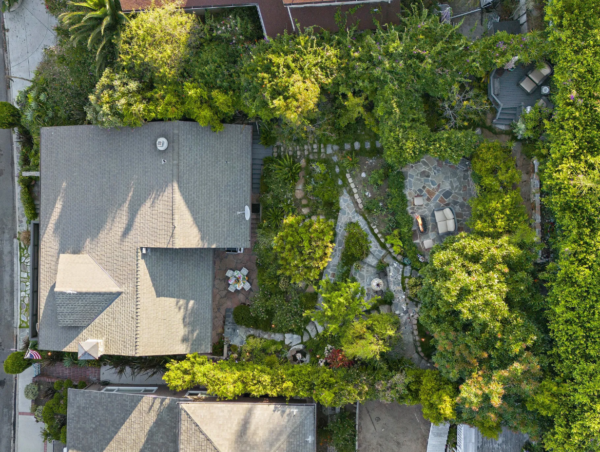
(506, 318)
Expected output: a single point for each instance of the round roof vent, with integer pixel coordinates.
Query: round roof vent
(162, 144)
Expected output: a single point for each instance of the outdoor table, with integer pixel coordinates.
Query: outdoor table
(238, 279)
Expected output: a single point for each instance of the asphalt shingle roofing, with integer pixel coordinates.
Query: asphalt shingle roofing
(108, 193)
(113, 422)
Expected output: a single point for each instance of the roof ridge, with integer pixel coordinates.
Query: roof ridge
(136, 335)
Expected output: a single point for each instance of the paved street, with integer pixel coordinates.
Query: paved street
(7, 259)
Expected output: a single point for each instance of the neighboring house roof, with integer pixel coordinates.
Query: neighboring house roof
(277, 18)
(100, 421)
(108, 193)
(472, 440)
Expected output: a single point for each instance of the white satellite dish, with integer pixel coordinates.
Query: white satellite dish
(246, 212)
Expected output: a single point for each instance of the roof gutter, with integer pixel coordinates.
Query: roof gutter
(334, 3)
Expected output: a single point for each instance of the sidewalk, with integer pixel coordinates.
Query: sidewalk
(28, 438)
(28, 31)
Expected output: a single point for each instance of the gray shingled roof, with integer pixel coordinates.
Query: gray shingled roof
(107, 193)
(247, 427)
(113, 422)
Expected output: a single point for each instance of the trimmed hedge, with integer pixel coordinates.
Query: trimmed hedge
(27, 200)
(572, 177)
(16, 363)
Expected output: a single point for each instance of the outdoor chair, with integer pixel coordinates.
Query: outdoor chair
(247, 286)
(539, 76)
(231, 288)
(229, 273)
(528, 85)
(428, 244)
(445, 220)
(244, 271)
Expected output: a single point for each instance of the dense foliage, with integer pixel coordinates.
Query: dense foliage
(480, 303)
(498, 208)
(303, 248)
(572, 177)
(10, 116)
(54, 412)
(356, 248)
(97, 23)
(16, 363)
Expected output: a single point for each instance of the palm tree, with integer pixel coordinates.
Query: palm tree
(101, 24)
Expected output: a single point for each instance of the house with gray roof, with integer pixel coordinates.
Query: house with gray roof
(127, 233)
(115, 422)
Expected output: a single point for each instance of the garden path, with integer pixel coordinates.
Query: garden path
(402, 307)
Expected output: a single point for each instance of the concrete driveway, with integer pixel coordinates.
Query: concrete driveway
(390, 427)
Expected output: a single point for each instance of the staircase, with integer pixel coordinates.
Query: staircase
(507, 116)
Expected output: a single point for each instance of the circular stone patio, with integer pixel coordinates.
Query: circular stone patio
(440, 184)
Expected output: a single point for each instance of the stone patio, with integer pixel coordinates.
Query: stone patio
(222, 298)
(441, 184)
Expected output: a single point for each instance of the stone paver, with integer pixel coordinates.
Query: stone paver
(441, 184)
(222, 298)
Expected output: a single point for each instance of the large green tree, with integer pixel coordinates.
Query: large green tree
(478, 298)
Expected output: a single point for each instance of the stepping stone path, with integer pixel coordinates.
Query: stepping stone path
(237, 334)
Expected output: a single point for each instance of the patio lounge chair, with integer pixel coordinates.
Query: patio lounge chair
(244, 271)
(247, 286)
(445, 220)
(231, 288)
(539, 76)
(229, 273)
(528, 85)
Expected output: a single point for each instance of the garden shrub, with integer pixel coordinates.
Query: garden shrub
(341, 303)
(38, 414)
(356, 248)
(303, 248)
(16, 363)
(31, 391)
(262, 351)
(438, 398)
(10, 116)
(27, 197)
(369, 337)
(25, 237)
(343, 432)
(531, 126)
(401, 219)
(56, 7)
(286, 169)
(322, 188)
(498, 208)
(242, 315)
(414, 285)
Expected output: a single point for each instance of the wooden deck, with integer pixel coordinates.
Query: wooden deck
(511, 96)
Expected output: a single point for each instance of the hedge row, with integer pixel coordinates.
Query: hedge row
(572, 177)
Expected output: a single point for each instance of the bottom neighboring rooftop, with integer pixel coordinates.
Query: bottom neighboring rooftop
(103, 421)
